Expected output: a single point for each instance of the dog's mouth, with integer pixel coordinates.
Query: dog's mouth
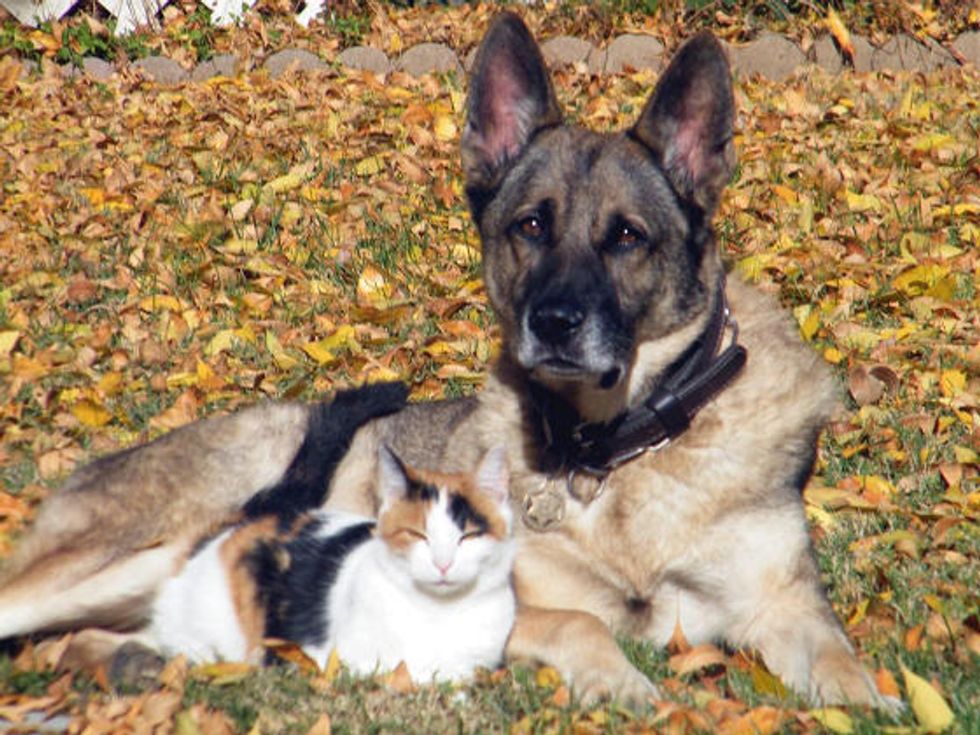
(561, 370)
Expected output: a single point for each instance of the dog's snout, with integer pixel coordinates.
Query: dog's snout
(555, 321)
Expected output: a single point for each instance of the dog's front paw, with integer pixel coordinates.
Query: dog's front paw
(624, 684)
(839, 678)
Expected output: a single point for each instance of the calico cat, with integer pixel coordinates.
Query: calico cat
(428, 583)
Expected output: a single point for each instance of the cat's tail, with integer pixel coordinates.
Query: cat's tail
(331, 429)
(120, 526)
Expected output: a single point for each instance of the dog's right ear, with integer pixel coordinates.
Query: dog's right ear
(510, 98)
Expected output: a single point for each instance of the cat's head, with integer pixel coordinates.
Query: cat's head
(447, 531)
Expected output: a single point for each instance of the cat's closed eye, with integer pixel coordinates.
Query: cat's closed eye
(414, 533)
(472, 534)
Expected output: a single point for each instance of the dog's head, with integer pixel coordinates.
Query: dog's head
(596, 244)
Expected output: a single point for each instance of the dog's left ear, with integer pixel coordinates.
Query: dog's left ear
(510, 98)
(688, 120)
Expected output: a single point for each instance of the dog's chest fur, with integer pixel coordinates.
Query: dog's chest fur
(669, 520)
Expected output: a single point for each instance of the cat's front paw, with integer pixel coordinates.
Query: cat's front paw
(625, 685)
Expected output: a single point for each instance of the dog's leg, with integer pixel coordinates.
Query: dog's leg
(582, 649)
(86, 587)
(800, 639)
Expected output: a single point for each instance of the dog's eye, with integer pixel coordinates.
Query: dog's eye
(532, 227)
(625, 237)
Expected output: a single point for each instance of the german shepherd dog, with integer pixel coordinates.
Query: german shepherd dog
(660, 419)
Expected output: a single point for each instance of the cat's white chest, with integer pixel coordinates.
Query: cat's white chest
(377, 622)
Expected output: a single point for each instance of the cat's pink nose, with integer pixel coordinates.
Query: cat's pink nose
(443, 568)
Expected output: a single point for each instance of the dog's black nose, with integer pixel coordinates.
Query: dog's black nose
(554, 321)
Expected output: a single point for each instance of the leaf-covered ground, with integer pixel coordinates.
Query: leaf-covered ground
(168, 253)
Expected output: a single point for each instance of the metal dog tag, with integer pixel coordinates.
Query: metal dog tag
(543, 508)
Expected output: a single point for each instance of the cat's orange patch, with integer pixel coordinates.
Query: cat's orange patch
(241, 582)
(462, 484)
(397, 523)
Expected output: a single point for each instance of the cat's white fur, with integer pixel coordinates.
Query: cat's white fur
(444, 609)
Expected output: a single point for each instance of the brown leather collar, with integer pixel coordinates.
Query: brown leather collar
(693, 380)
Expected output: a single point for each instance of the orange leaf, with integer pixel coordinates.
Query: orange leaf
(399, 680)
(699, 657)
(840, 33)
(886, 683)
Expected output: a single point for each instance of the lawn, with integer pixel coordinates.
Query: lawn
(172, 252)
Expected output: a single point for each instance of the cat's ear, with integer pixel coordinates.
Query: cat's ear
(392, 479)
(493, 475)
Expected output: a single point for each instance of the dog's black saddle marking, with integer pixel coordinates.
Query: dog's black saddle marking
(693, 380)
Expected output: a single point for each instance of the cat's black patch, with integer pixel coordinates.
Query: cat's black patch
(295, 597)
(329, 433)
(423, 491)
(461, 511)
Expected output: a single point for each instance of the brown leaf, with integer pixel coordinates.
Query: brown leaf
(678, 641)
(289, 651)
(700, 657)
(867, 383)
(399, 680)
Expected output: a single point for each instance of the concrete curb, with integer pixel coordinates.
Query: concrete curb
(771, 56)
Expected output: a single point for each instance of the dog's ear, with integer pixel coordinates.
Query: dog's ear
(510, 98)
(687, 122)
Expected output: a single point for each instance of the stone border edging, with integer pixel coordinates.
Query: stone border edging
(771, 55)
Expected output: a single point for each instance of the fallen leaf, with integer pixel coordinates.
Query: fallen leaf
(399, 680)
(699, 657)
(928, 705)
(835, 720)
(321, 726)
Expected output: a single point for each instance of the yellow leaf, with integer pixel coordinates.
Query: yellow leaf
(91, 413)
(927, 704)
(785, 193)
(161, 303)
(810, 325)
(381, 374)
(372, 287)
(445, 128)
(952, 382)
(332, 669)
(918, 280)
(222, 672)
(110, 383)
(833, 355)
(834, 720)
(319, 352)
(547, 677)
(862, 202)
(765, 682)
(751, 267)
(8, 340)
(878, 485)
(223, 340)
(95, 195)
(369, 166)
(931, 141)
(239, 245)
(439, 348)
(965, 455)
(286, 182)
(283, 359)
(343, 337)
